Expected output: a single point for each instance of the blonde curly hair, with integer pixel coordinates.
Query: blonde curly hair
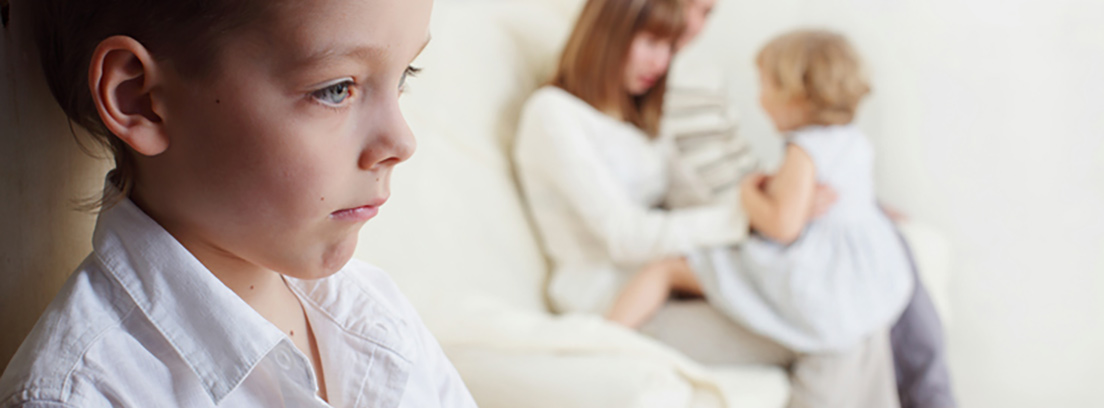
(819, 67)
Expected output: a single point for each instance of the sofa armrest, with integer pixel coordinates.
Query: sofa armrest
(931, 251)
(509, 379)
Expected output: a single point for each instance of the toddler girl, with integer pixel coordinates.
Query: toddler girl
(814, 285)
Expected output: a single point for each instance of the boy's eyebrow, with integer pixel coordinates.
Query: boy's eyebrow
(324, 55)
(362, 53)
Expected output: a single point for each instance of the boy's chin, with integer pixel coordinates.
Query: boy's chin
(319, 271)
(328, 262)
(340, 255)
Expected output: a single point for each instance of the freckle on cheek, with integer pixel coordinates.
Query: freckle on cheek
(218, 101)
(323, 198)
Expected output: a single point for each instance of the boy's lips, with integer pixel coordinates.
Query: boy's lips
(358, 214)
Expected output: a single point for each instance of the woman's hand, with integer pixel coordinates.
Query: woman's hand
(754, 183)
(823, 199)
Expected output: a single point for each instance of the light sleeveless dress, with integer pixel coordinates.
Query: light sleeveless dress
(845, 278)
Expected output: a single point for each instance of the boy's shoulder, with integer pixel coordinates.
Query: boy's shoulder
(54, 359)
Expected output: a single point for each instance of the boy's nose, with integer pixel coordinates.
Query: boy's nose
(391, 143)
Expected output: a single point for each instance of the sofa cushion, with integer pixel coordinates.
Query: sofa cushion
(541, 380)
(532, 380)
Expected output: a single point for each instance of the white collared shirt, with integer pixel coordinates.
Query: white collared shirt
(142, 323)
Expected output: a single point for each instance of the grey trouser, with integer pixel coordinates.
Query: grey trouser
(919, 356)
(858, 378)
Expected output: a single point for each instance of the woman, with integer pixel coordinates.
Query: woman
(595, 174)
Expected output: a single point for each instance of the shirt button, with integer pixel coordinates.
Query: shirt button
(283, 359)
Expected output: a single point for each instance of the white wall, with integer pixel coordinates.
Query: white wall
(989, 124)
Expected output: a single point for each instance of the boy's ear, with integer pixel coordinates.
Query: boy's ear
(122, 77)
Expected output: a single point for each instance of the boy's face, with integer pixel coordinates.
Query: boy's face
(280, 156)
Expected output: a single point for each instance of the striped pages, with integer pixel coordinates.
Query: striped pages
(709, 155)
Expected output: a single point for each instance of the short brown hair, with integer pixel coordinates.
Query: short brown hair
(186, 34)
(592, 66)
(820, 67)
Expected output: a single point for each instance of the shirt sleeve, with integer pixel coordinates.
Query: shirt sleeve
(553, 146)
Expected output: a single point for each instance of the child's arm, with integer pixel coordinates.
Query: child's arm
(781, 209)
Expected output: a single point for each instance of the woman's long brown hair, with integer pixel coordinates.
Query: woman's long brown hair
(593, 62)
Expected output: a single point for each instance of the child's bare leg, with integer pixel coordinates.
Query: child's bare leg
(683, 279)
(649, 289)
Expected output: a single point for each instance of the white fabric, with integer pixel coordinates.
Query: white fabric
(593, 185)
(502, 378)
(846, 277)
(142, 323)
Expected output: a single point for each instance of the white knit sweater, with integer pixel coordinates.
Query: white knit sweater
(593, 184)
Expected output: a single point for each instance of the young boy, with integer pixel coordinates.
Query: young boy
(252, 140)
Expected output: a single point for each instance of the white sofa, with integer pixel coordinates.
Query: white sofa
(456, 237)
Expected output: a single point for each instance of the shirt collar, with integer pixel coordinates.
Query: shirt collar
(216, 333)
(367, 346)
(353, 310)
(814, 129)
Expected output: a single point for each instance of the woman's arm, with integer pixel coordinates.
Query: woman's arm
(553, 148)
(780, 209)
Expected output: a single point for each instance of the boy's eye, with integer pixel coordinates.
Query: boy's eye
(334, 94)
(410, 71)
